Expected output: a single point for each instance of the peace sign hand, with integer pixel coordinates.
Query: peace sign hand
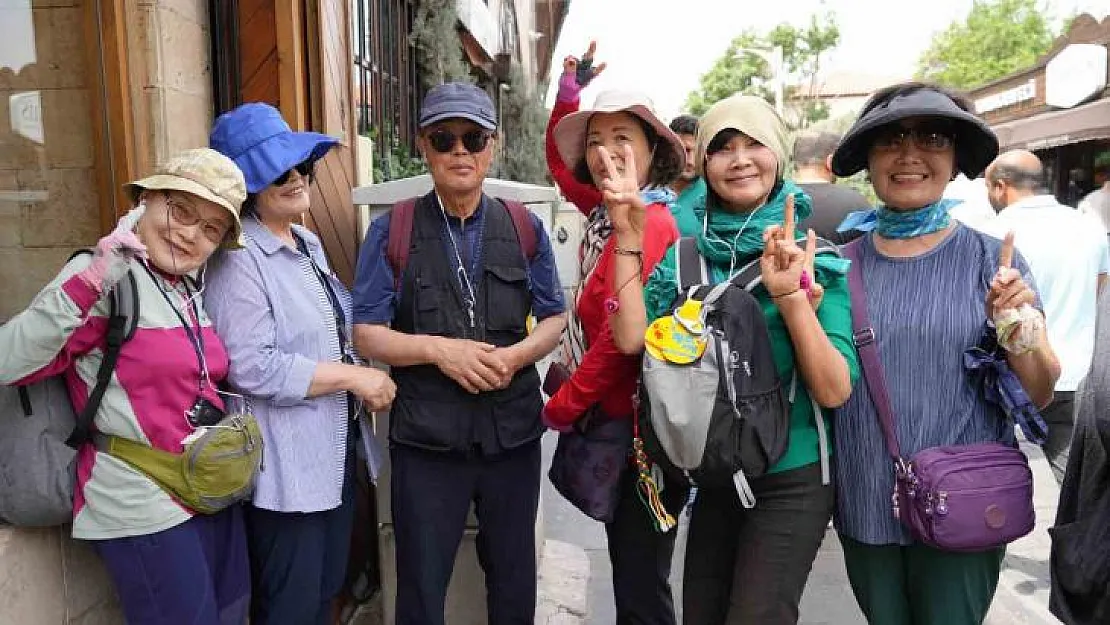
(785, 247)
(1008, 290)
(620, 192)
(578, 73)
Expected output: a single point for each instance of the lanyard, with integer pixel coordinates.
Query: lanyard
(196, 335)
(461, 274)
(336, 306)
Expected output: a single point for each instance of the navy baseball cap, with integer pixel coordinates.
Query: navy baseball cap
(458, 100)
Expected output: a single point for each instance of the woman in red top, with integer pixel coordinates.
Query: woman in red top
(603, 378)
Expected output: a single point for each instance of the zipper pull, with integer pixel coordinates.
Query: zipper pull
(470, 312)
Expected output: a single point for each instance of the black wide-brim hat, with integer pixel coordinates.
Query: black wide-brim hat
(976, 144)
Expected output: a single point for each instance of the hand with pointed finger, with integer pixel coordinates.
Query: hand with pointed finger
(577, 74)
(781, 265)
(1008, 291)
(114, 252)
(620, 192)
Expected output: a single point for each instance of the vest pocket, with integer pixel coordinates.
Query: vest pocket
(508, 301)
(430, 301)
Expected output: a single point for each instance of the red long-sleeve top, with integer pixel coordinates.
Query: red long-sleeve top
(605, 375)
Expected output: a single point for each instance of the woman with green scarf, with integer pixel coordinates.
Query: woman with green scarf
(751, 565)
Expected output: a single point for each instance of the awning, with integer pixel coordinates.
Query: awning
(1049, 130)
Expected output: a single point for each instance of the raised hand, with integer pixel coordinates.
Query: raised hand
(1008, 290)
(620, 191)
(577, 73)
(790, 268)
(114, 252)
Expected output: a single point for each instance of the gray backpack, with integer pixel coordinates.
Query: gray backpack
(40, 432)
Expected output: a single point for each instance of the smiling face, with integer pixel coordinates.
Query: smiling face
(911, 162)
(286, 201)
(180, 230)
(613, 131)
(458, 169)
(740, 170)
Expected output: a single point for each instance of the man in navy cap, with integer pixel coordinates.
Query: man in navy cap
(444, 287)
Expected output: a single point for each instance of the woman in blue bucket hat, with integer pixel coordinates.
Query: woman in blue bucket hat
(286, 321)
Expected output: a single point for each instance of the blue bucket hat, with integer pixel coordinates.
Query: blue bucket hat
(458, 100)
(256, 137)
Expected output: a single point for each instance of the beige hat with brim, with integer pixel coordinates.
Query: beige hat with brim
(570, 132)
(207, 174)
(750, 115)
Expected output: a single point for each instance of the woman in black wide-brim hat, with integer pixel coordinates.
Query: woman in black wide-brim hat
(931, 284)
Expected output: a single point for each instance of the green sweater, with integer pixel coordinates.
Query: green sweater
(661, 293)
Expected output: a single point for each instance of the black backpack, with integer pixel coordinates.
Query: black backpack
(724, 418)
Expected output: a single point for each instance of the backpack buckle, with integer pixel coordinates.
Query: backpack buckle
(863, 337)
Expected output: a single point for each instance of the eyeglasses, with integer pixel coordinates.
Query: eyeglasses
(443, 141)
(307, 169)
(926, 139)
(186, 215)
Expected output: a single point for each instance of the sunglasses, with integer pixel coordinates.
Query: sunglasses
(307, 169)
(926, 138)
(443, 141)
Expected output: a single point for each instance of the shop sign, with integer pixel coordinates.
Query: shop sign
(26, 115)
(1075, 74)
(1021, 93)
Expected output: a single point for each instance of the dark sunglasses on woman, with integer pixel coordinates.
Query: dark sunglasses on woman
(443, 141)
(305, 168)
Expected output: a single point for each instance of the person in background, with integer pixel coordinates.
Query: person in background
(931, 284)
(170, 565)
(750, 565)
(1067, 253)
(465, 426)
(831, 202)
(286, 320)
(1097, 202)
(689, 187)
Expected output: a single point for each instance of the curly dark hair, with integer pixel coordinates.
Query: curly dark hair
(684, 125)
(666, 164)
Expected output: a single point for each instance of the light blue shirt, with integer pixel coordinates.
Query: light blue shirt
(277, 323)
(1066, 251)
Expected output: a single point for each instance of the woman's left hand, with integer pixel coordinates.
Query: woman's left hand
(786, 267)
(1008, 289)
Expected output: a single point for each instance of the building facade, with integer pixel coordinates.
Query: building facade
(1058, 108)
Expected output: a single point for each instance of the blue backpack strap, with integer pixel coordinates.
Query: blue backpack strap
(123, 319)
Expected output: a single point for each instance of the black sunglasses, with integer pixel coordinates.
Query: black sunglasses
(305, 168)
(443, 141)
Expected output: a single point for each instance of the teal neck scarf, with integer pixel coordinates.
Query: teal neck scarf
(729, 240)
(894, 224)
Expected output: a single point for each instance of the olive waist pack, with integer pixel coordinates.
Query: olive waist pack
(216, 469)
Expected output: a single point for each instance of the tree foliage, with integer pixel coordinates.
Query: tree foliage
(439, 53)
(740, 72)
(523, 122)
(998, 37)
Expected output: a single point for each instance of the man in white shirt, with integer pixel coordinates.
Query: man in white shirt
(1097, 202)
(1067, 253)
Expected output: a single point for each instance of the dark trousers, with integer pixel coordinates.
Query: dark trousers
(641, 556)
(299, 561)
(190, 574)
(431, 496)
(1060, 418)
(749, 567)
(919, 585)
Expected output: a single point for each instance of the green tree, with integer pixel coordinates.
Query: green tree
(998, 37)
(739, 72)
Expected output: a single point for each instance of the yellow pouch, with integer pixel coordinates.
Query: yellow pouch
(678, 338)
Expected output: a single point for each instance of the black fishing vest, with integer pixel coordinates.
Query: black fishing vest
(431, 411)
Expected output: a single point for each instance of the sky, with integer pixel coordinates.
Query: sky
(662, 47)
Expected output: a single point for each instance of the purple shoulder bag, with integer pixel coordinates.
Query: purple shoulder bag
(962, 498)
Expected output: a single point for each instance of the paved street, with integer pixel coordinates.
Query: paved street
(828, 598)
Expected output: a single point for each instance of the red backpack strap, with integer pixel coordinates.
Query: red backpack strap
(522, 222)
(400, 238)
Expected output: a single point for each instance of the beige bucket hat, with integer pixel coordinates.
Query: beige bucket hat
(750, 115)
(570, 132)
(207, 174)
